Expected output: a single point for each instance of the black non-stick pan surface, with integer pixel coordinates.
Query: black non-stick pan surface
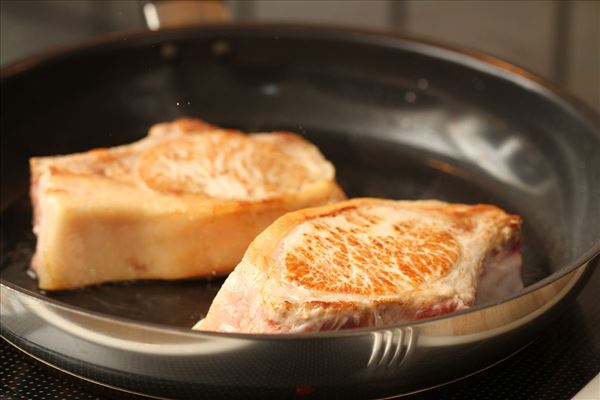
(399, 118)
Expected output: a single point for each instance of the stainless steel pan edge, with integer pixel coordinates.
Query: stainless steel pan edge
(473, 58)
(176, 363)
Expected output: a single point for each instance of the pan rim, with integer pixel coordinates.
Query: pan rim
(468, 58)
(439, 49)
(168, 329)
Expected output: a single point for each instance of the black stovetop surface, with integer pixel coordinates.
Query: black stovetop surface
(555, 366)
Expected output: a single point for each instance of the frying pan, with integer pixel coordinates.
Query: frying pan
(399, 118)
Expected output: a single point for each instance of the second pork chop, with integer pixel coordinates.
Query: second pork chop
(183, 202)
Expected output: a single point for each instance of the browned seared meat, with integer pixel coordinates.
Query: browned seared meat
(367, 262)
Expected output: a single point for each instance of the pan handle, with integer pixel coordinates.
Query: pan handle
(160, 14)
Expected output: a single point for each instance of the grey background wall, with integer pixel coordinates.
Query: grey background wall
(559, 40)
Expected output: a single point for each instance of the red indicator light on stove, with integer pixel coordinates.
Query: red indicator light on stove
(304, 390)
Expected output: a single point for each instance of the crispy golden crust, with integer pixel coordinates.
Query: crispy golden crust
(412, 255)
(461, 216)
(230, 165)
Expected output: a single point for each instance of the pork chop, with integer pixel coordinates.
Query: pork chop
(367, 262)
(183, 202)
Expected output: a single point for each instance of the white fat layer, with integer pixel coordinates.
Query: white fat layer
(238, 305)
